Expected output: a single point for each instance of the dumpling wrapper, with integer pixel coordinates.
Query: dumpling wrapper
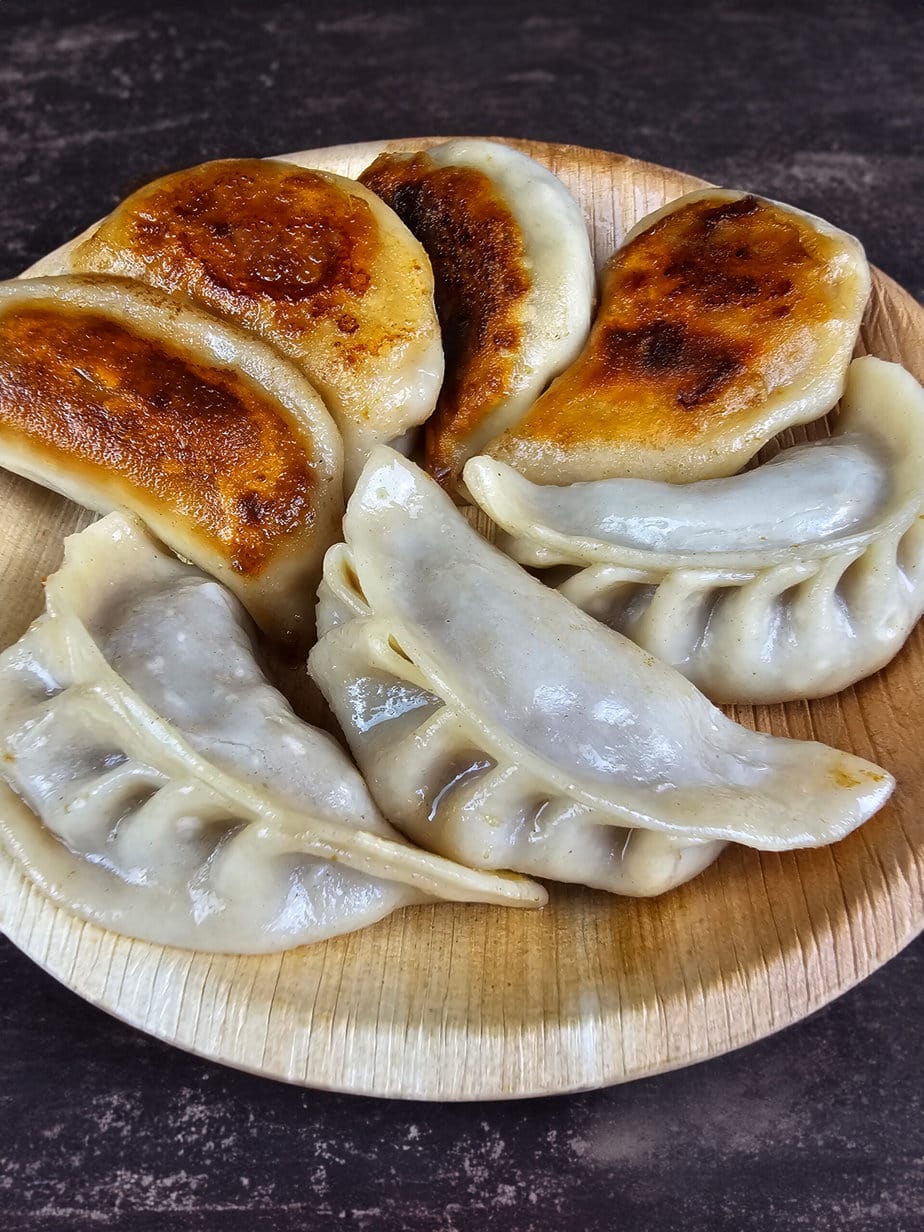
(724, 318)
(515, 282)
(496, 723)
(311, 261)
(119, 396)
(791, 580)
(154, 783)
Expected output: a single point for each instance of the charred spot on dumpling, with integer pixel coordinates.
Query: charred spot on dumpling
(202, 440)
(477, 251)
(700, 295)
(700, 364)
(704, 313)
(240, 233)
(743, 253)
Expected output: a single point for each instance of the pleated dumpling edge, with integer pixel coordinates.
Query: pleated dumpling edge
(492, 717)
(153, 782)
(791, 580)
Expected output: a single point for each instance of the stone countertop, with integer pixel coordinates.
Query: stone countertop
(820, 1127)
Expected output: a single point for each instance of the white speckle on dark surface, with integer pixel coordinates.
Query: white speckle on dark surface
(817, 1127)
(820, 1128)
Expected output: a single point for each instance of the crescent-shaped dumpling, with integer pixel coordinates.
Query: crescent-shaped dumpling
(724, 319)
(497, 724)
(514, 282)
(153, 782)
(791, 580)
(120, 396)
(313, 262)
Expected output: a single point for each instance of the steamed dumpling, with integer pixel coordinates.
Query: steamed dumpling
(794, 579)
(311, 261)
(724, 319)
(152, 782)
(497, 724)
(119, 396)
(514, 282)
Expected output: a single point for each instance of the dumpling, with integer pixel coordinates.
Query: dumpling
(119, 396)
(497, 724)
(153, 782)
(724, 319)
(792, 580)
(514, 282)
(311, 261)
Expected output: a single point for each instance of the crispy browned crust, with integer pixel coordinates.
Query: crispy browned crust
(476, 249)
(251, 236)
(203, 441)
(696, 311)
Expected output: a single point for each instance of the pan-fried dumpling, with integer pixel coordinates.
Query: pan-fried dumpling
(514, 282)
(724, 319)
(794, 579)
(120, 396)
(311, 261)
(496, 723)
(153, 782)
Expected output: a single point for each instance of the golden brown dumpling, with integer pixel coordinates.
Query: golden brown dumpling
(514, 282)
(311, 261)
(122, 397)
(724, 319)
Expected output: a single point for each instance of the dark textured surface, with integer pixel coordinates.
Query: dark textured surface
(821, 1127)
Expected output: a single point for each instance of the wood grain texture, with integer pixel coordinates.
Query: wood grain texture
(465, 1002)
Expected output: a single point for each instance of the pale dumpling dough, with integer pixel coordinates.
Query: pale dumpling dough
(497, 724)
(154, 783)
(791, 580)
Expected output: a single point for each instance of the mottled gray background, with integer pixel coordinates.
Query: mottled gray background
(819, 1128)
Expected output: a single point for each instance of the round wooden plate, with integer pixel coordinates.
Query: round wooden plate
(465, 1002)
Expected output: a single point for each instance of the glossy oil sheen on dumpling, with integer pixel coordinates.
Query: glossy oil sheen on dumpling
(119, 396)
(792, 580)
(311, 261)
(496, 723)
(153, 782)
(724, 319)
(514, 281)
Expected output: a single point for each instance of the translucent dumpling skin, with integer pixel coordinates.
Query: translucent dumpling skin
(792, 580)
(153, 782)
(497, 723)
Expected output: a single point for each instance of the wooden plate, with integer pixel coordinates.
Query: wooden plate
(466, 1002)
